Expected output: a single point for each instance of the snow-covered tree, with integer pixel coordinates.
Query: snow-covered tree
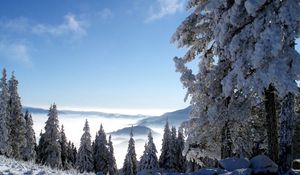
(5, 145)
(254, 41)
(174, 150)
(100, 152)
(149, 162)
(17, 120)
(130, 162)
(112, 166)
(51, 137)
(181, 161)
(166, 154)
(84, 161)
(72, 153)
(40, 150)
(143, 160)
(66, 164)
(29, 152)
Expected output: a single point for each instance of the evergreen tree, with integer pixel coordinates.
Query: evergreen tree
(246, 56)
(149, 162)
(143, 160)
(100, 152)
(29, 152)
(181, 166)
(40, 150)
(84, 160)
(112, 166)
(52, 148)
(17, 120)
(71, 156)
(74, 151)
(64, 149)
(164, 159)
(173, 147)
(130, 162)
(5, 145)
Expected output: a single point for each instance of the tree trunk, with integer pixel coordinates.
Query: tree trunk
(271, 123)
(286, 133)
(226, 147)
(296, 137)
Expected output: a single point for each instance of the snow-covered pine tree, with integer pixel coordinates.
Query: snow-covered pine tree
(66, 164)
(173, 150)
(164, 158)
(255, 39)
(17, 120)
(143, 160)
(40, 150)
(130, 162)
(100, 152)
(52, 148)
(84, 160)
(71, 155)
(112, 166)
(149, 161)
(181, 161)
(29, 152)
(5, 145)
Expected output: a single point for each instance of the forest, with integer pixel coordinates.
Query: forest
(244, 98)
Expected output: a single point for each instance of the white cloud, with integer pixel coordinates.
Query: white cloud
(163, 8)
(104, 14)
(19, 24)
(15, 51)
(70, 26)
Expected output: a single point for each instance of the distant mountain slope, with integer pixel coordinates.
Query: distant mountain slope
(175, 118)
(137, 130)
(83, 113)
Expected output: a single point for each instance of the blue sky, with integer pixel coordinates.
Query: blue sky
(107, 55)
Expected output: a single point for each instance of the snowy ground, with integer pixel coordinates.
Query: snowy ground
(12, 167)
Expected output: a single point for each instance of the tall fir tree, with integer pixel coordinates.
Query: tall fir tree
(130, 162)
(72, 153)
(84, 160)
(5, 145)
(66, 164)
(149, 162)
(174, 150)
(112, 166)
(29, 152)
(181, 160)
(40, 150)
(17, 120)
(52, 148)
(100, 152)
(164, 159)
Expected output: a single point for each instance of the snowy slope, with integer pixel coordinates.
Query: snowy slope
(12, 167)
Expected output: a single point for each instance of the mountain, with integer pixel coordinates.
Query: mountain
(137, 131)
(175, 118)
(34, 110)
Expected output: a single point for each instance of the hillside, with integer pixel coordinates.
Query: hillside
(175, 118)
(137, 131)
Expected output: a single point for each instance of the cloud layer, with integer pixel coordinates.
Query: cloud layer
(163, 8)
